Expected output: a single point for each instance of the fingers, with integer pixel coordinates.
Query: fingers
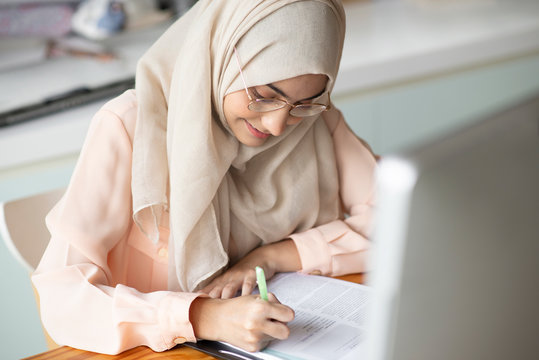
(248, 285)
(272, 310)
(229, 291)
(246, 321)
(215, 292)
(279, 311)
(226, 291)
(208, 288)
(273, 298)
(276, 330)
(228, 287)
(282, 312)
(261, 326)
(275, 317)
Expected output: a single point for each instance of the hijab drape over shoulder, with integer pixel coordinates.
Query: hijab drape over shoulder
(223, 197)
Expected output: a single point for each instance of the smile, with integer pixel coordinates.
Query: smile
(259, 134)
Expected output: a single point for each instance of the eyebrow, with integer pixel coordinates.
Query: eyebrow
(282, 93)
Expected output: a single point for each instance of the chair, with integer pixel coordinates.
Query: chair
(22, 226)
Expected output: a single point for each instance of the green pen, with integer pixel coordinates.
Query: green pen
(261, 281)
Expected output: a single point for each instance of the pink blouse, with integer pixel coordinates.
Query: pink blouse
(103, 284)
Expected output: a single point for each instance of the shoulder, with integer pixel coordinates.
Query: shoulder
(124, 109)
(340, 131)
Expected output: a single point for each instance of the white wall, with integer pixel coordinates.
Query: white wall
(399, 116)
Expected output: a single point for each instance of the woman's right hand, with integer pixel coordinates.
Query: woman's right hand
(246, 321)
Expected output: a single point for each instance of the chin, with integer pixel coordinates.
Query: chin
(254, 143)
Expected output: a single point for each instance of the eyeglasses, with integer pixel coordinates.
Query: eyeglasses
(267, 104)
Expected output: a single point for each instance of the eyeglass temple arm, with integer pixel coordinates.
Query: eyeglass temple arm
(241, 74)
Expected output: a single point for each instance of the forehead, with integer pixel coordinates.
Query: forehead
(303, 80)
(302, 86)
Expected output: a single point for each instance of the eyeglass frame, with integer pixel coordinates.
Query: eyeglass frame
(293, 106)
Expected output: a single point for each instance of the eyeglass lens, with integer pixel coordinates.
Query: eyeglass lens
(301, 110)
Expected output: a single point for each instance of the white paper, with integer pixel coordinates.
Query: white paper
(330, 320)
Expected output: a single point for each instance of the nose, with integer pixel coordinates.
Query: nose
(276, 121)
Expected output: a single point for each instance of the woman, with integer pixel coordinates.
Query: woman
(228, 155)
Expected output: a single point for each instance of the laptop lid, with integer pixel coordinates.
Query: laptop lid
(457, 244)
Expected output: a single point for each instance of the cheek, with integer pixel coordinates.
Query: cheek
(292, 120)
(235, 106)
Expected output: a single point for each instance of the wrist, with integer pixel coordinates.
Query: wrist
(203, 315)
(282, 256)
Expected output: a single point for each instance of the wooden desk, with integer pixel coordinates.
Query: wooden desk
(143, 352)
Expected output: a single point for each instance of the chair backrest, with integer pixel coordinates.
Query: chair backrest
(22, 226)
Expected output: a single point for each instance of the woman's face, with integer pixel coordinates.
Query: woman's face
(254, 128)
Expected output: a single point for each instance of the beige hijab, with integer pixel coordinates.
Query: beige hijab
(224, 198)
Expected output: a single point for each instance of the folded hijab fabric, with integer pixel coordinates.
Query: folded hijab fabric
(225, 198)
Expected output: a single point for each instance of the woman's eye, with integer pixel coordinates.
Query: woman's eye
(257, 94)
(264, 95)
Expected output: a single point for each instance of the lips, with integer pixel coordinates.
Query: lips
(256, 132)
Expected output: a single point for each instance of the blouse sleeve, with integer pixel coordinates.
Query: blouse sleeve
(82, 305)
(341, 246)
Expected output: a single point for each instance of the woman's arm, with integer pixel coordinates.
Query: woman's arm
(246, 321)
(342, 246)
(82, 301)
(80, 309)
(281, 256)
(81, 277)
(337, 248)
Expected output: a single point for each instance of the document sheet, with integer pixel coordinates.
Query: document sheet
(330, 320)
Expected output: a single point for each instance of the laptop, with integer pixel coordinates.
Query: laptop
(457, 244)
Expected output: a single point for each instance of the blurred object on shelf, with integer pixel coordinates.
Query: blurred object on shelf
(99, 19)
(40, 20)
(142, 13)
(178, 7)
(182, 6)
(79, 47)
